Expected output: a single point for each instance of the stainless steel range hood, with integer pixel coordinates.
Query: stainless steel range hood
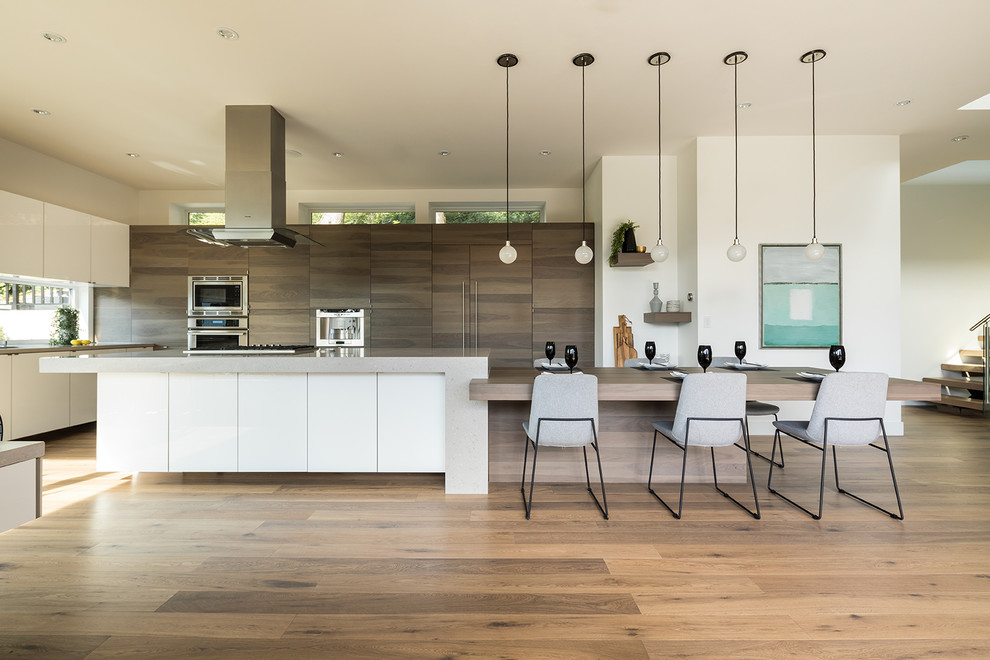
(255, 185)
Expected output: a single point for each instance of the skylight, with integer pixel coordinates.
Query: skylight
(982, 103)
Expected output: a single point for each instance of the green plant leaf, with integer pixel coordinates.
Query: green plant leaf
(618, 236)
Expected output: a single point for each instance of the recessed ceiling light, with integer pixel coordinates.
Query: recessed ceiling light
(39, 111)
(744, 106)
(337, 154)
(960, 138)
(444, 153)
(292, 153)
(903, 102)
(54, 37)
(227, 33)
(545, 152)
(133, 155)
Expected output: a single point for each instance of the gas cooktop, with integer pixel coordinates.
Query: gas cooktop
(261, 349)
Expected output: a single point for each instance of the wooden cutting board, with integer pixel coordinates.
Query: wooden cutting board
(623, 339)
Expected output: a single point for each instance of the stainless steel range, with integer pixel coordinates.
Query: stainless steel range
(261, 349)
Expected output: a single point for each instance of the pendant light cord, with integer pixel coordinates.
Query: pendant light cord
(814, 164)
(659, 154)
(735, 128)
(584, 213)
(506, 154)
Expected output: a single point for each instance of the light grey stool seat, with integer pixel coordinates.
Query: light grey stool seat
(848, 412)
(711, 412)
(563, 413)
(757, 408)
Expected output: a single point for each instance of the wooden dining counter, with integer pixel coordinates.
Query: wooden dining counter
(623, 384)
(630, 401)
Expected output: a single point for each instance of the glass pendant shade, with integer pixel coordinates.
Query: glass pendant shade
(736, 251)
(660, 252)
(583, 254)
(814, 250)
(507, 254)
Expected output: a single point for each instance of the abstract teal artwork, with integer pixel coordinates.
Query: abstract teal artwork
(800, 300)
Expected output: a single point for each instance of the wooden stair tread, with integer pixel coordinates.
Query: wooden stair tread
(962, 402)
(975, 384)
(971, 352)
(970, 368)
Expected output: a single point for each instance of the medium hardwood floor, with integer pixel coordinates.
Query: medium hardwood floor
(379, 566)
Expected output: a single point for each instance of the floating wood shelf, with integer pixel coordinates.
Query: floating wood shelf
(633, 259)
(667, 317)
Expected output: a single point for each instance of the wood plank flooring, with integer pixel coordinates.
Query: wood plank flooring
(387, 566)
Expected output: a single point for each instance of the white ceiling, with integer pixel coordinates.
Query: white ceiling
(390, 83)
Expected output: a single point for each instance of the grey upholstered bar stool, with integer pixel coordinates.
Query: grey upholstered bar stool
(711, 412)
(848, 412)
(563, 413)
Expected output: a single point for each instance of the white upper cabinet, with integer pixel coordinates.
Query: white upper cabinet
(111, 263)
(23, 235)
(67, 244)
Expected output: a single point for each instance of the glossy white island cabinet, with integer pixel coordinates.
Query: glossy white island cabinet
(313, 412)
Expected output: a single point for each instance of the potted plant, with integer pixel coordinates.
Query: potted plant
(622, 237)
(65, 326)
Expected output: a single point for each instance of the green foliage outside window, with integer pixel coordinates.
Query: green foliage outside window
(208, 218)
(365, 218)
(65, 326)
(485, 217)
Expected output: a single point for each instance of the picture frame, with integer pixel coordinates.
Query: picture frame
(800, 300)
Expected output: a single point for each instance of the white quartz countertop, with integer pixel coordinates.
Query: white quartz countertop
(16, 347)
(321, 361)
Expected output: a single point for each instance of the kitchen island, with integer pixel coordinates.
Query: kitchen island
(321, 411)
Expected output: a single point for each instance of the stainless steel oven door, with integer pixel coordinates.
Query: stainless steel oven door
(227, 338)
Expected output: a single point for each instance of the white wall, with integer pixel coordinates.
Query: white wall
(32, 174)
(158, 207)
(858, 206)
(628, 191)
(945, 272)
(686, 255)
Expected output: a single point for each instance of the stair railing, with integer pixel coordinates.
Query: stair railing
(985, 322)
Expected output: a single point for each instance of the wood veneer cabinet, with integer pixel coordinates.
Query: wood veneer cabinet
(479, 302)
(401, 286)
(513, 309)
(563, 290)
(424, 286)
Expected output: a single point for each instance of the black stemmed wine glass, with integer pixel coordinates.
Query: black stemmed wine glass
(704, 357)
(837, 356)
(740, 349)
(650, 351)
(571, 356)
(550, 350)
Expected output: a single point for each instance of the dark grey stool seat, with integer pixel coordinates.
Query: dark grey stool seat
(761, 408)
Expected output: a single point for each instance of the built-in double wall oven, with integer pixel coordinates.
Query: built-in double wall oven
(218, 311)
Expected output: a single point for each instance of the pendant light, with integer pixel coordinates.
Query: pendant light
(583, 254)
(814, 250)
(508, 253)
(660, 252)
(736, 251)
